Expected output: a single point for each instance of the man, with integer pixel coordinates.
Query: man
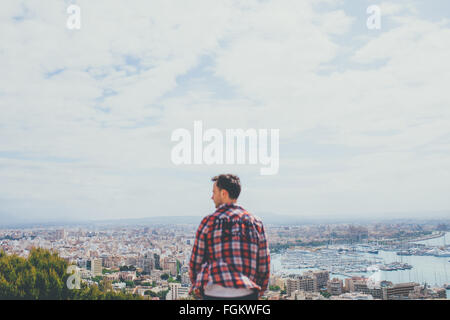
(230, 258)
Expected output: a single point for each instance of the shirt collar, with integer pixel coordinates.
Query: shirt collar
(227, 204)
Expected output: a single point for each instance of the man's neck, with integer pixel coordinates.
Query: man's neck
(228, 203)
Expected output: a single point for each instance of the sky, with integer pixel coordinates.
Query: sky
(86, 115)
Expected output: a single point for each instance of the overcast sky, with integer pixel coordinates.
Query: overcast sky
(87, 115)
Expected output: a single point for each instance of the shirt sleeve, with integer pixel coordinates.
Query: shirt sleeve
(263, 270)
(198, 251)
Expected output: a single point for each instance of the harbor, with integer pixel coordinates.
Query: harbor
(338, 261)
(344, 261)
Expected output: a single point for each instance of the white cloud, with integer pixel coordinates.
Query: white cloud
(397, 7)
(387, 104)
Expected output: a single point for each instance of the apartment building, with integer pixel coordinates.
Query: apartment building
(171, 265)
(146, 264)
(352, 296)
(399, 291)
(322, 277)
(176, 291)
(303, 295)
(306, 283)
(185, 279)
(359, 285)
(335, 287)
(96, 267)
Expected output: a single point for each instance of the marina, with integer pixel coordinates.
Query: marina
(359, 260)
(338, 261)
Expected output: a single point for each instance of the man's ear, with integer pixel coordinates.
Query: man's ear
(225, 194)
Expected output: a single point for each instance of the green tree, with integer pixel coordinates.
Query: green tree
(178, 266)
(150, 293)
(160, 294)
(171, 279)
(106, 271)
(274, 288)
(164, 276)
(325, 294)
(43, 275)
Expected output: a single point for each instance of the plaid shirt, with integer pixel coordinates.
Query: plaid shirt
(230, 250)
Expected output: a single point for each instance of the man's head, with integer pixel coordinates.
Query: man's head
(226, 189)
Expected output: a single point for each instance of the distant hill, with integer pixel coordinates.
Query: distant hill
(268, 218)
(9, 221)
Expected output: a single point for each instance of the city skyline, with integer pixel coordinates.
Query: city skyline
(269, 218)
(337, 262)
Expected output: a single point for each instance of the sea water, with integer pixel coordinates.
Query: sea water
(434, 271)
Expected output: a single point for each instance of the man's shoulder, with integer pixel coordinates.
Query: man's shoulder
(207, 219)
(234, 212)
(231, 215)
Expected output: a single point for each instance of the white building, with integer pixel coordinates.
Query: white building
(96, 267)
(119, 285)
(176, 291)
(352, 296)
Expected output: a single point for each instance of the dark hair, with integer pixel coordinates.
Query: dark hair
(229, 182)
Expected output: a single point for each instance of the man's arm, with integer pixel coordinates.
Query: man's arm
(263, 262)
(198, 251)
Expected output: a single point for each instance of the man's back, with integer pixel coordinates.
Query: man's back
(230, 251)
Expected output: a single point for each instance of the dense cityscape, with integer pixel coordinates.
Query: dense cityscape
(313, 261)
